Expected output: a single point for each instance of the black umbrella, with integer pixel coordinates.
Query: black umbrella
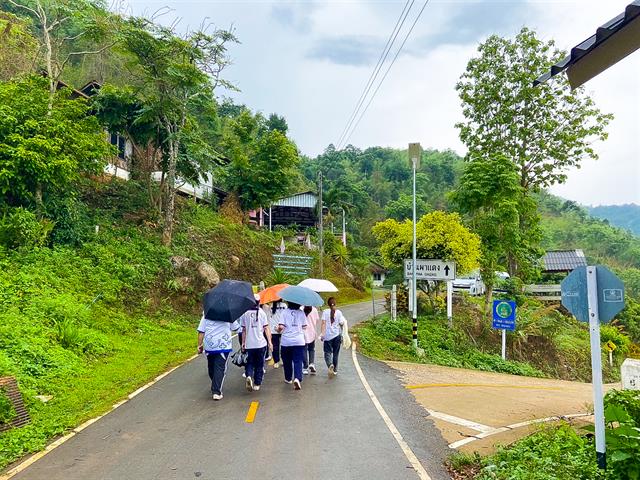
(228, 300)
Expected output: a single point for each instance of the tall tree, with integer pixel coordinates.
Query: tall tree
(490, 194)
(177, 74)
(544, 129)
(18, 48)
(263, 160)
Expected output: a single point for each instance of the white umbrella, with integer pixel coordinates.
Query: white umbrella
(318, 285)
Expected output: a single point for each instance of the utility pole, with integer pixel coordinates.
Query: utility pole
(344, 229)
(321, 225)
(415, 151)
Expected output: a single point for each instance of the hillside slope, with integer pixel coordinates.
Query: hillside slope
(623, 216)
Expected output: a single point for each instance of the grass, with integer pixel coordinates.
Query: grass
(99, 384)
(386, 339)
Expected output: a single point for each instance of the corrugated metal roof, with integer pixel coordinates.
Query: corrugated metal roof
(303, 199)
(563, 260)
(609, 29)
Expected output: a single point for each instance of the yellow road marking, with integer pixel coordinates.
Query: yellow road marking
(435, 385)
(251, 414)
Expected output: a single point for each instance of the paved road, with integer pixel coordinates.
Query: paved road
(329, 430)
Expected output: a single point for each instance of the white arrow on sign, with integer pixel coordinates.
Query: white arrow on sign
(431, 270)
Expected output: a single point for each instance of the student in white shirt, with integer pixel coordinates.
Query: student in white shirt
(274, 311)
(293, 323)
(215, 340)
(256, 338)
(332, 322)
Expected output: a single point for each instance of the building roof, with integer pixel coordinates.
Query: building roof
(307, 199)
(563, 260)
(613, 41)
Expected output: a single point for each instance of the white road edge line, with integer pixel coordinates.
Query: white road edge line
(461, 421)
(37, 456)
(513, 426)
(415, 463)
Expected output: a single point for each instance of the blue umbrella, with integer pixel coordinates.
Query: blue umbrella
(301, 295)
(228, 300)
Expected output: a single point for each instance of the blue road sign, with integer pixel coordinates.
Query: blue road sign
(504, 314)
(610, 294)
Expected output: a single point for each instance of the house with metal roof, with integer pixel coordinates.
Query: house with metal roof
(563, 261)
(300, 209)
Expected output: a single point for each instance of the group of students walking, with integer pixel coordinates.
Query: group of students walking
(285, 332)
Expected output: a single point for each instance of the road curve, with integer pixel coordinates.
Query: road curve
(329, 430)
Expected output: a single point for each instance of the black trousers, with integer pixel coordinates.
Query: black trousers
(275, 340)
(331, 351)
(217, 366)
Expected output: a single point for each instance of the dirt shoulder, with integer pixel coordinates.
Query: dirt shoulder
(477, 410)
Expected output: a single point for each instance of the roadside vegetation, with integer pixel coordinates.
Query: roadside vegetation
(562, 452)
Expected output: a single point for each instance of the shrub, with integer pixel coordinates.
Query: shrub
(21, 228)
(7, 411)
(551, 453)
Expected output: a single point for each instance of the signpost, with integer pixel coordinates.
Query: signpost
(594, 294)
(430, 270)
(504, 318)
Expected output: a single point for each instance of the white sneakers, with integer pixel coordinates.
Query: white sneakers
(332, 372)
(217, 397)
(305, 371)
(249, 384)
(296, 384)
(256, 388)
(312, 369)
(288, 381)
(276, 365)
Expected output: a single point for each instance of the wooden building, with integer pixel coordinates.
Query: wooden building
(300, 209)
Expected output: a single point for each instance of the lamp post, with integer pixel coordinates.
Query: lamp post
(415, 152)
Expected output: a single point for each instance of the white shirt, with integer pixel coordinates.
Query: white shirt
(332, 330)
(274, 318)
(217, 335)
(293, 322)
(254, 328)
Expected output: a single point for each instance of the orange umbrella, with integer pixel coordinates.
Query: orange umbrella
(271, 294)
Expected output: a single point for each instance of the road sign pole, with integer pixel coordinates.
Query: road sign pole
(450, 302)
(504, 344)
(596, 364)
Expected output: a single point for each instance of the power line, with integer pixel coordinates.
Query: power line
(387, 72)
(376, 70)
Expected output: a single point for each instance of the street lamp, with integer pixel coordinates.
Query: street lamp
(415, 152)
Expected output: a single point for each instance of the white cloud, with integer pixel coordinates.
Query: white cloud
(418, 101)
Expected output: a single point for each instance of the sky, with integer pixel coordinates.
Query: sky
(310, 61)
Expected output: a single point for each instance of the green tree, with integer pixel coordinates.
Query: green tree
(489, 192)
(45, 148)
(18, 48)
(544, 129)
(263, 160)
(440, 235)
(402, 208)
(177, 73)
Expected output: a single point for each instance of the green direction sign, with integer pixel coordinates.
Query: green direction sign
(610, 294)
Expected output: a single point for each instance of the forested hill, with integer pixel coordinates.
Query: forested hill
(375, 183)
(624, 216)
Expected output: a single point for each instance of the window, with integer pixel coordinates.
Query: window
(119, 142)
(377, 276)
